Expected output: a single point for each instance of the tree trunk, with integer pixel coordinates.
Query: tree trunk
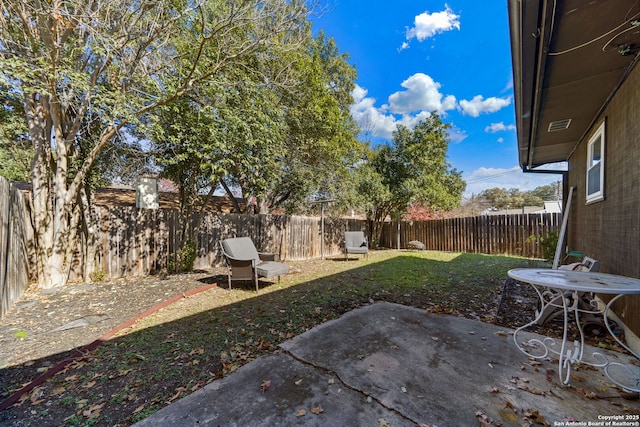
(262, 205)
(89, 243)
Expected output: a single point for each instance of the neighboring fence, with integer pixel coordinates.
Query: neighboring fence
(14, 263)
(489, 234)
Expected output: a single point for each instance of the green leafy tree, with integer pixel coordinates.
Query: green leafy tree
(547, 192)
(278, 129)
(15, 150)
(116, 62)
(320, 135)
(413, 169)
(502, 198)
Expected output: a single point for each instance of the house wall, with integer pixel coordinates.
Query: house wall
(609, 230)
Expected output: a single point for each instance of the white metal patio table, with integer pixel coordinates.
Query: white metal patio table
(570, 285)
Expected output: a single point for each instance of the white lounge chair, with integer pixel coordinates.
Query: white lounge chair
(355, 243)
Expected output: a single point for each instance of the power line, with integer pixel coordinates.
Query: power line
(488, 177)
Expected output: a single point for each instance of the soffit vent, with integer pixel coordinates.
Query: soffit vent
(559, 125)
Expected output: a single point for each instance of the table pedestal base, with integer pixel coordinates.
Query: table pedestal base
(569, 353)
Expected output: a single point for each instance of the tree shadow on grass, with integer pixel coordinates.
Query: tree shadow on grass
(201, 338)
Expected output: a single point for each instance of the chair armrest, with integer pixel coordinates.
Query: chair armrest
(269, 257)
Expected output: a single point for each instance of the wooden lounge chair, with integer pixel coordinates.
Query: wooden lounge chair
(355, 243)
(244, 262)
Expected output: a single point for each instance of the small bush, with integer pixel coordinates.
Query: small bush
(549, 245)
(97, 275)
(186, 257)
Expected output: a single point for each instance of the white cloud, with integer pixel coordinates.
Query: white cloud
(407, 107)
(500, 140)
(498, 127)
(369, 117)
(421, 97)
(422, 94)
(485, 178)
(479, 105)
(457, 135)
(427, 24)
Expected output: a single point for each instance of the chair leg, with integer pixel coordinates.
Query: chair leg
(255, 274)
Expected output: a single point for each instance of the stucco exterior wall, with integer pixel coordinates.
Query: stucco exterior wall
(609, 230)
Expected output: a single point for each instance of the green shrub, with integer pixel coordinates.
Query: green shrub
(185, 257)
(549, 245)
(97, 275)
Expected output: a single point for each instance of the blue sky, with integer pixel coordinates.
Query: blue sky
(414, 57)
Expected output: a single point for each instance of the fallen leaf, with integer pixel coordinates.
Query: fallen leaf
(265, 385)
(483, 419)
(587, 394)
(58, 391)
(179, 391)
(317, 410)
(535, 416)
(298, 382)
(508, 405)
(36, 395)
(494, 390)
(331, 381)
(577, 378)
(536, 392)
(301, 413)
(549, 373)
(93, 411)
(501, 333)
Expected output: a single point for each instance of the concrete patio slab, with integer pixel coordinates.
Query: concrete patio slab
(388, 364)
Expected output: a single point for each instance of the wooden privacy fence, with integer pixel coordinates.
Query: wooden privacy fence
(14, 235)
(489, 234)
(143, 241)
(140, 242)
(137, 242)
